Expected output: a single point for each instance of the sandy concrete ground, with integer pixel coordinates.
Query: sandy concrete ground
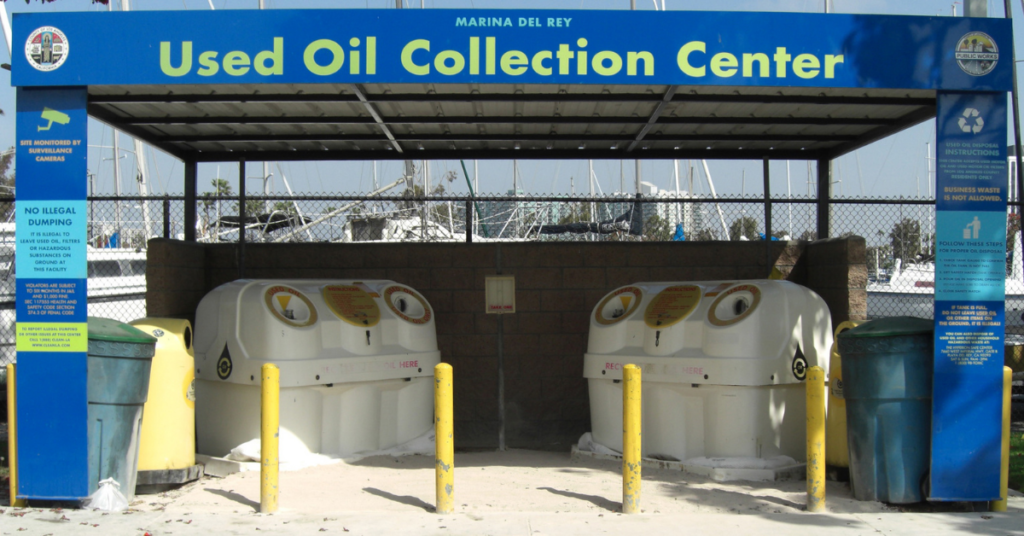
(526, 493)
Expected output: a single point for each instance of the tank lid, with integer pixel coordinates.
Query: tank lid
(105, 329)
(891, 327)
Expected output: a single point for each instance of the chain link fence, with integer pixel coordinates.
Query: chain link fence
(900, 235)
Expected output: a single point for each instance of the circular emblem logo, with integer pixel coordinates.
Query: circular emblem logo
(800, 367)
(977, 53)
(224, 366)
(46, 48)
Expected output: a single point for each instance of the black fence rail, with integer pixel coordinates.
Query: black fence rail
(899, 233)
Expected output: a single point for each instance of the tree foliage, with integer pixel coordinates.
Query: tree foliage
(905, 239)
(657, 229)
(744, 226)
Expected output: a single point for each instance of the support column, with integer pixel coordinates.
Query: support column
(242, 215)
(824, 197)
(970, 264)
(53, 414)
(191, 183)
(768, 214)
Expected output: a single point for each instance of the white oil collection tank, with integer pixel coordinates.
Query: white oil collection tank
(356, 361)
(722, 366)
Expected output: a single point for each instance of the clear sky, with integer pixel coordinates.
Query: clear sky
(892, 167)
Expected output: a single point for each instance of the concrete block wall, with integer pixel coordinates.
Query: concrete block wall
(557, 286)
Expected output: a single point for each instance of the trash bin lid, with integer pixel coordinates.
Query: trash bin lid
(891, 327)
(105, 329)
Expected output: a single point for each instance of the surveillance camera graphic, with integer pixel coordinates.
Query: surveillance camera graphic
(53, 116)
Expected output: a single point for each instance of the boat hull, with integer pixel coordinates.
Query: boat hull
(882, 303)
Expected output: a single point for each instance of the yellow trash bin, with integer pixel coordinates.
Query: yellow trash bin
(837, 454)
(167, 448)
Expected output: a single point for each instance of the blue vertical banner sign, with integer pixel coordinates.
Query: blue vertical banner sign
(51, 294)
(970, 273)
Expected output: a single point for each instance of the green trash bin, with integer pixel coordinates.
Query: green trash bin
(887, 384)
(118, 383)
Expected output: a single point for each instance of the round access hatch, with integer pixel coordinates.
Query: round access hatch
(407, 304)
(734, 305)
(618, 305)
(290, 306)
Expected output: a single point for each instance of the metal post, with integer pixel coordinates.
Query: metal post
(1016, 118)
(444, 443)
(269, 432)
(631, 438)
(824, 196)
(1004, 464)
(191, 172)
(12, 435)
(469, 221)
(975, 8)
(241, 219)
(815, 385)
(167, 217)
(639, 187)
(501, 365)
(768, 214)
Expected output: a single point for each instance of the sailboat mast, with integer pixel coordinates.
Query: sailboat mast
(143, 179)
(117, 186)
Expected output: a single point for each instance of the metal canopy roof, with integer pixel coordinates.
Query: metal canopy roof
(218, 123)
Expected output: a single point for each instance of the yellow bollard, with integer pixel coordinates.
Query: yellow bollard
(444, 461)
(270, 427)
(12, 436)
(631, 423)
(815, 439)
(1004, 464)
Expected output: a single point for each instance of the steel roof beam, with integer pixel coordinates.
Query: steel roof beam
(540, 120)
(376, 116)
(508, 154)
(874, 135)
(651, 120)
(114, 121)
(361, 97)
(512, 137)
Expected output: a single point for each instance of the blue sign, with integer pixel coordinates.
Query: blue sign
(51, 293)
(970, 276)
(502, 46)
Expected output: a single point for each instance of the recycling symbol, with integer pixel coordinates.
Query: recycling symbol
(967, 125)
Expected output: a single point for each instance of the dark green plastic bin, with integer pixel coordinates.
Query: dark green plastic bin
(887, 383)
(119, 361)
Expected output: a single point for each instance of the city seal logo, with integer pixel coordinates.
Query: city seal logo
(977, 53)
(46, 48)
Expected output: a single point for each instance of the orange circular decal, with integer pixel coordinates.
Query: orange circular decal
(749, 296)
(618, 305)
(290, 306)
(407, 304)
(672, 305)
(352, 304)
